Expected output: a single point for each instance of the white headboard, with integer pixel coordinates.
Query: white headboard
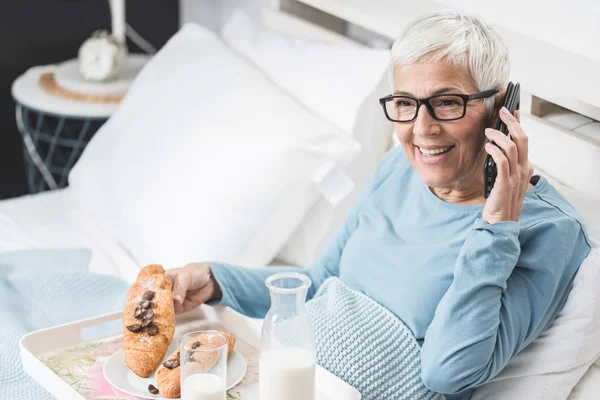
(551, 78)
(285, 22)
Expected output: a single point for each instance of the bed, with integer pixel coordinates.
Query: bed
(58, 220)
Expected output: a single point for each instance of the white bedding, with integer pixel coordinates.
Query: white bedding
(588, 387)
(52, 220)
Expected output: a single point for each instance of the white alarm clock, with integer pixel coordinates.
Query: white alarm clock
(102, 58)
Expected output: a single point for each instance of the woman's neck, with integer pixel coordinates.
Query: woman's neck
(468, 195)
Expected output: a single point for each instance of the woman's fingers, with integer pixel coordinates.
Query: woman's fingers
(508, 146)
(182, 279)
(190, 286)
(500, 159)
(518, 136)
(172, 274)
(514, 171)
(195, 298)
(530, 170)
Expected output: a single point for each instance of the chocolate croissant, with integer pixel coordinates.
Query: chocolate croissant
(148, 321)
(168, 374)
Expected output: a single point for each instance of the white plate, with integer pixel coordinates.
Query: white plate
(120, 376)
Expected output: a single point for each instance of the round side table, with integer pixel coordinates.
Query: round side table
(57, 114)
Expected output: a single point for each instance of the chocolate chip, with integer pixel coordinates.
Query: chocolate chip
(151, 329)
(145, 304)
(149, 295)
(152, 389)
(195, 345)
(171, 364)
(178, 355)
(147, 317)
(138, 312)
(135, 328)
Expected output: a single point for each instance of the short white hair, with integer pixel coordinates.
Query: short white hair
(459, 38)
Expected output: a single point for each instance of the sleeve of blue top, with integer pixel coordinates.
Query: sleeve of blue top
(244, 289)
(504, 294)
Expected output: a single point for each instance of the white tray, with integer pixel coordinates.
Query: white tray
(64, 358)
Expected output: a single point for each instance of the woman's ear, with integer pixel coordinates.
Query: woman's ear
(498, 102)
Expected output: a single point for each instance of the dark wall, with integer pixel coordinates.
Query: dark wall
(39, 32)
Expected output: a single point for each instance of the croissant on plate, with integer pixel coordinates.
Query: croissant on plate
(168, 374)
(148, 321)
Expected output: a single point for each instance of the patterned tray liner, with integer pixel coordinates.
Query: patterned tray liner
(81, 367)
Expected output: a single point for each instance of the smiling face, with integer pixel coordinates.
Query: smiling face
(446, 154)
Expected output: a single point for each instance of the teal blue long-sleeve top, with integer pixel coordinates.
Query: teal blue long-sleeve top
(473, 294)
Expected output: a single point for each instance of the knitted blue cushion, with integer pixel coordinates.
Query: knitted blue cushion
(364, 344)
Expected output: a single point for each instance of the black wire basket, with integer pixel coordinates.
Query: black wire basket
(52, 144)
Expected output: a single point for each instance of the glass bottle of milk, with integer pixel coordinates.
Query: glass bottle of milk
(287, 351)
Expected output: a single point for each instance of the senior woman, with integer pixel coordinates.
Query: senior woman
(473, 280)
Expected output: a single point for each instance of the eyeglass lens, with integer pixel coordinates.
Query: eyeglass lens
(444, 107)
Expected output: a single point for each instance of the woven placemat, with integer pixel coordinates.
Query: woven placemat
(50, 86)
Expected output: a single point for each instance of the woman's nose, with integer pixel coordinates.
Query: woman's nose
(424, 124)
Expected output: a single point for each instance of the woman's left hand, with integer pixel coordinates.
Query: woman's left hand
(514, 171)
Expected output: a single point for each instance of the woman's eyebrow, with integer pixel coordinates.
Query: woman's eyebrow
(434, 93)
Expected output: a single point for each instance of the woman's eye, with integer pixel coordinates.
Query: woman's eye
(447, 103)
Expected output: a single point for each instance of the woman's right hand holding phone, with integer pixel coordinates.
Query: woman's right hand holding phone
(193, 285)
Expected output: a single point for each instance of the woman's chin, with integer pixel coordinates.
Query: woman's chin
(436, 177)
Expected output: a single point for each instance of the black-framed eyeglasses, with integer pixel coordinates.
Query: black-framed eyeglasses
(442, 107)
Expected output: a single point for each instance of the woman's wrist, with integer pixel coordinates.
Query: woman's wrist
(494, 219)
(217, 294)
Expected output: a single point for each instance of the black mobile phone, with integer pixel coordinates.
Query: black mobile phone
(490, 170)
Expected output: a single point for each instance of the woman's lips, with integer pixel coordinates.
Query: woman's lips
(434, 156)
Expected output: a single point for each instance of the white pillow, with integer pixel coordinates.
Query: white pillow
(205, 159)
(324, 220)
(341, 84)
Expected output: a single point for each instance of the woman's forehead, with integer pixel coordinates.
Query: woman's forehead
(428, 79)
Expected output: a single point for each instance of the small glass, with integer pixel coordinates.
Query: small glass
(203, 356)
(287, 352)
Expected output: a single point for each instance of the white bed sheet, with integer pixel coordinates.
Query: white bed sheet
(53, 220)
(588, 387)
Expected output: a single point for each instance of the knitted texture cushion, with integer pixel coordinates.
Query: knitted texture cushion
(364, 344)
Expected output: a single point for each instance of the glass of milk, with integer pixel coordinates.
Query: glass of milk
(287, 351)
(203, 356)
